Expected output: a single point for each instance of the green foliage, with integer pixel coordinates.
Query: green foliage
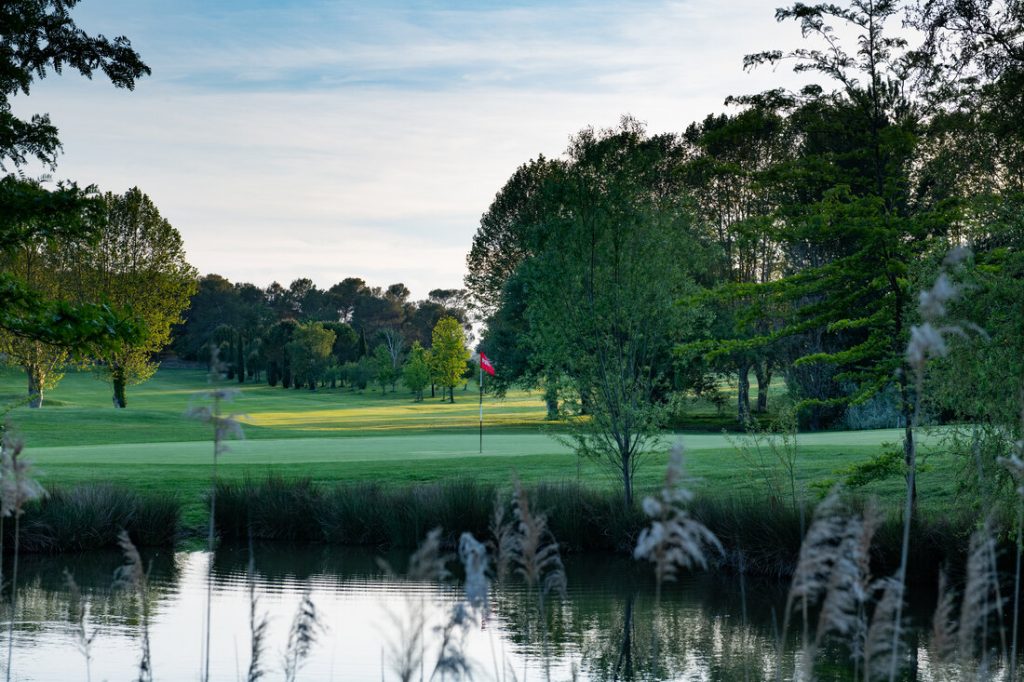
(416, 372)
(386, 372)
(358, 374)
(35, 38)
(309, 353)
(886, 465)
(137, 264)
(346, 342)
(448, 354)
(506, 234)
(35, 221)
(602, 286)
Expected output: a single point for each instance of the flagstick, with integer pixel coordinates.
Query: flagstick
(481, 408)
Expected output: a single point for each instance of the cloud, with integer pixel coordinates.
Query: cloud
(329, 140)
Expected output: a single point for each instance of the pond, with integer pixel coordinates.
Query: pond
(706, 627)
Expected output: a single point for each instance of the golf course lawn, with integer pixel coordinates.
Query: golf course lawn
(340, 435)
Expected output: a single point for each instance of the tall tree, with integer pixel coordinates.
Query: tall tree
(505, 236)
(387, 373)
(730, 173)
(37, 266)
(853, 225)
(37, 36)
(603, 286)
(138, 264)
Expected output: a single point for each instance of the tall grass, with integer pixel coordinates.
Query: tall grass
(88, 517)
(765, 539)
(399, 516)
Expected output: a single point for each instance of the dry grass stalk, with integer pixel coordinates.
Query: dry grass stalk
(981, 601)
(844, 609)
(818, 554)
(535, 554)
(452, 660)
(503, 541)
(257, 625)
(537, 560)
(834, 571)
(17, 487)
(224, 426)
(405, 648)
(944, 640)
(78, 616)
(305, 630)
(133, 576)
(881, 656)
(674, 539)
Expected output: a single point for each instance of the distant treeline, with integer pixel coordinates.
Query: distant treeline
(304, 336)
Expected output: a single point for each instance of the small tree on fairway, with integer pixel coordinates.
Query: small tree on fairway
(387, 373)
(416, 373)
(310, 353)
(449, 354)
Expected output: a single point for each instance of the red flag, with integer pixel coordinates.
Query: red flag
(486, 365)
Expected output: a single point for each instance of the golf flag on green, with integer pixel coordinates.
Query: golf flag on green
(485, 366)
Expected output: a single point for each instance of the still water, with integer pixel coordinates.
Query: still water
(706, 628)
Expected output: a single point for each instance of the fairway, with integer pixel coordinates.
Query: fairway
(342, 436)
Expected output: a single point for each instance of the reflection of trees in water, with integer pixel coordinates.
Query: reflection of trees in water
(625, 636)
(277, 563)
(44, 596)
(609, 624)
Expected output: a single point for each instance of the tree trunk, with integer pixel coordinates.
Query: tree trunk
(36, 378)
(117, 378)
(551, 400)
(910, 455)
(627, 482)
(624, 666)
(763, 371)
(584, 402)
(743, 392)
(451, 394)
(432, 390)
(240, 360)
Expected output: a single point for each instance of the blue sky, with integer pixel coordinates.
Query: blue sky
(335, 139)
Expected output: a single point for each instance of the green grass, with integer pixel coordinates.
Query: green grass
(341, 436)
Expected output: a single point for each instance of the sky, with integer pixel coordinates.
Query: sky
(333, 139)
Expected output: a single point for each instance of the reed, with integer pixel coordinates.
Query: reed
(92, 516)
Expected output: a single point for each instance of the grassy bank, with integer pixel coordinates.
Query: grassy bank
(341, 437)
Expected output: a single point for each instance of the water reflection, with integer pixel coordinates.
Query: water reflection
(609, 627)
